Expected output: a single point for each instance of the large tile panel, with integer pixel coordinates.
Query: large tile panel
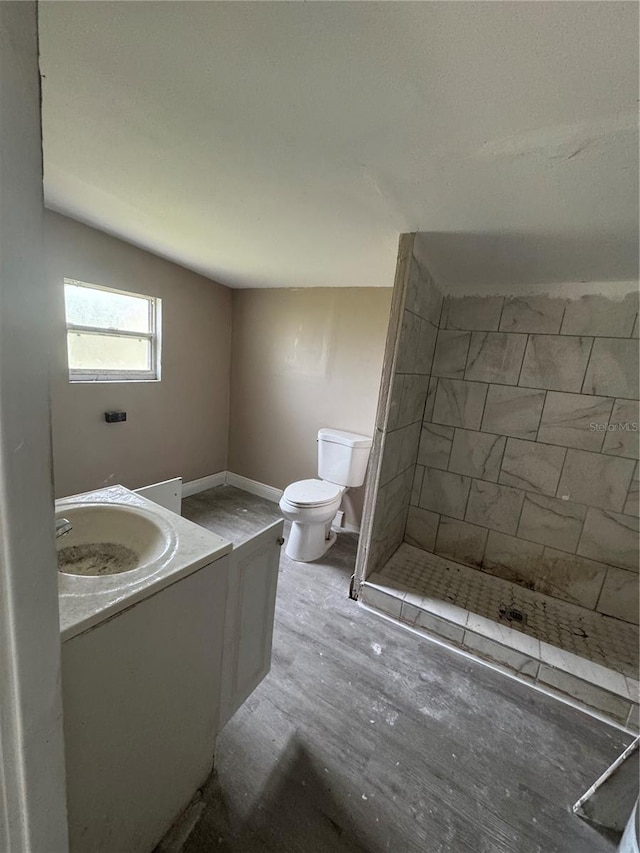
(422, 526)
(460, 541)
(477, 454)
(459, 403)
(532, 466)
(600, 315)
(613, 368)
(444, 492)
(414, 395)
(570, 577)
(435, 445)
(572, 420)
(622, 438)
(552, 522)
(595, 479)
(475, 313)
(555, 363)
(512, 559)
(610, 538)
(494, 506)
(450, 357)
(495, 357)
(513, 411)
(620, 595)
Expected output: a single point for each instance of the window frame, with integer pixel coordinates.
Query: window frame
(154, 336)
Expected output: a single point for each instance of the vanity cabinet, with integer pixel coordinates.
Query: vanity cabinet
(140, 704)
(146, 691)
(249, 613)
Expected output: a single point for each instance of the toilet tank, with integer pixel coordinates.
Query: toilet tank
(342, 456)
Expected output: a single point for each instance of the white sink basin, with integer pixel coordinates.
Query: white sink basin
(112, 539)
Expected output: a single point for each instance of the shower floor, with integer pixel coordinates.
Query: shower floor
(563, 648)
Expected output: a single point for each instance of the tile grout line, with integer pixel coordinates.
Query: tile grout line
(484, 406)
(435, 538)
(504, 299)
(504, 450)
(466, 504)
(605, 574)
(586, 369)
(524, 356)
(468, 354)
(524, 498)
(536, 439)
(564, 314)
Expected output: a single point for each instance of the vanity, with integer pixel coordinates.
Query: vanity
(164, 633)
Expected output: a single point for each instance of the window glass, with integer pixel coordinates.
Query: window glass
(106, 352)
(106, 309)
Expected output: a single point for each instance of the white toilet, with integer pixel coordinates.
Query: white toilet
(312, 504)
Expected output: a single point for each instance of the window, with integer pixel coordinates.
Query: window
(112, 336)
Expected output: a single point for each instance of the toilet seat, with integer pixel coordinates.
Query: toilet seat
(310, 493)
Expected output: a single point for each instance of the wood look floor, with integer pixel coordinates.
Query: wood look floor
(365, 737)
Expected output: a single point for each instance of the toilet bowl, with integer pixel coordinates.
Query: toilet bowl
(311, 505)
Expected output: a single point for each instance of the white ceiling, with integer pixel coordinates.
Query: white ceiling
(278, 144)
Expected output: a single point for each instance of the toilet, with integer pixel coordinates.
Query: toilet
(311, 505)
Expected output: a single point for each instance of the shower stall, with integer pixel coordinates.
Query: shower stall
(501, 509)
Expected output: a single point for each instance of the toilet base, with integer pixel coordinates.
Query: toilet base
(308, 542)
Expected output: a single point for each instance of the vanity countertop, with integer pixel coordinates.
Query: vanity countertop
(86, 601)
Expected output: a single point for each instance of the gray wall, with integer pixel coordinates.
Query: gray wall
(301, 360)
(176, 427)
(510, 477)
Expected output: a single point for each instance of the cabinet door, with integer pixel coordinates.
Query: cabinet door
(141, 692)
(250, 611)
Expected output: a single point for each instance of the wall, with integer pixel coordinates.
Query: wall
(32, 778)
(176, 427)
(406, 389)
(301, 360)
(510, 477)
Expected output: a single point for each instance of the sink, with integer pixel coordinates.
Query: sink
(111, 539)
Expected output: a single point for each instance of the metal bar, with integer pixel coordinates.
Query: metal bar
(117, 333)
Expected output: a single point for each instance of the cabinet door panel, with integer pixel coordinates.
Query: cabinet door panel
(250, 614)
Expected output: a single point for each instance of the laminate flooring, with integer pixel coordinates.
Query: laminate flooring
(366, 737)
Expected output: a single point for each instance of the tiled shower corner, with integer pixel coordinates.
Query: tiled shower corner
(563, 648)
(527, 466)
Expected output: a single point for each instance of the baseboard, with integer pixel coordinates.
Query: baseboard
(228, 478)
(204, 483)
(254, 487)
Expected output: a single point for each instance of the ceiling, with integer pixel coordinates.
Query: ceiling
(276, 144)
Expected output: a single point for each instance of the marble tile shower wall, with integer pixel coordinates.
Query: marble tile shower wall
(518, 472)
(410, 392)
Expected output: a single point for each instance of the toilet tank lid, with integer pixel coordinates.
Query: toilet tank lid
(339, 436)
